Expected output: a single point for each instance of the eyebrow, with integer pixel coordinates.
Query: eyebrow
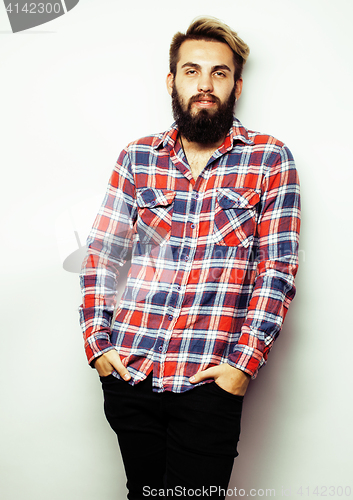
(215, 68)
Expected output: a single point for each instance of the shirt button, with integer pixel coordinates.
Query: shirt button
(179, 287)
(153, 204)
(160, 348)
(197, 196)
(186, 257)
(193, 226)
(170, 318)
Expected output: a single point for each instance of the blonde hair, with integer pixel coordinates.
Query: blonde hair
(210, 28)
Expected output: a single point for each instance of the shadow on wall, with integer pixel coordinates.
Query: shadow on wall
(264, 408)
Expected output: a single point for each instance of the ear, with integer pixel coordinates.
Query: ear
(238, 88)
(170, 83)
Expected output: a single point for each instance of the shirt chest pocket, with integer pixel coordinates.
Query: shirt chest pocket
(235, 216)
(155, 210)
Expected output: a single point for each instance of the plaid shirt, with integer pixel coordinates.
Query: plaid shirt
(213, 261)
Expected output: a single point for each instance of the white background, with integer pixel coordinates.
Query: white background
(74, 92)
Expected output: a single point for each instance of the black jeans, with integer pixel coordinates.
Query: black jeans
(171, 443)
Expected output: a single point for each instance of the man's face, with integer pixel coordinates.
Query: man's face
(203, 90)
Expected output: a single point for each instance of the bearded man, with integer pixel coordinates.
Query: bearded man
(208, 214)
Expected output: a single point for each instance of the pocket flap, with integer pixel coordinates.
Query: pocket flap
(237, 197)
(151, 197)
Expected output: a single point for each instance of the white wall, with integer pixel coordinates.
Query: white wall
(73, 93)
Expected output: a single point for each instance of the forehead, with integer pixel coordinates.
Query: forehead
(206, 53)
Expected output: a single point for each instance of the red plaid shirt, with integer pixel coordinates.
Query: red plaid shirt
(213, 261)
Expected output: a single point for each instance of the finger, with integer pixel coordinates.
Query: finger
(116, 363)
(203, 375)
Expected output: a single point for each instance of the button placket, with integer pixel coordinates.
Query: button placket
(194, 210)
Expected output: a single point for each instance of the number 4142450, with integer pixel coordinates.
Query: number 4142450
(35, 8)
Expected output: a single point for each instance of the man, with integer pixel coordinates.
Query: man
(208, 214)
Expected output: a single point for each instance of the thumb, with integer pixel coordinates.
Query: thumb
(115, 361)
(203, 375)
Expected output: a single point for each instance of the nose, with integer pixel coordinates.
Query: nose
(205, 84)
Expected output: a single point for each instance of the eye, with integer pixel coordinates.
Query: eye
(190, 72)
(220, 73)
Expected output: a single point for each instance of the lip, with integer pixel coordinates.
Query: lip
(205, 103)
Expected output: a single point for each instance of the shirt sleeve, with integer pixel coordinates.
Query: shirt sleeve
(109, 246)
(277, 264)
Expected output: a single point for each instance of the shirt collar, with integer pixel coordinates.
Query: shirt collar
(239, 133)
(236, 133)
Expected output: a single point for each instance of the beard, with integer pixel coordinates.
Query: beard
(204, 127)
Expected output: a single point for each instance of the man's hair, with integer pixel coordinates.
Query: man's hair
(210, 28)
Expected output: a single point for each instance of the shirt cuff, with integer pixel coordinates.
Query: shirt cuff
(95, 347)
(248, 354)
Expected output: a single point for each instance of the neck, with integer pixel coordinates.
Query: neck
(199, 147)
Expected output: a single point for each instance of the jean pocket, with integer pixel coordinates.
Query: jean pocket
(222, 392)
(108, 378)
